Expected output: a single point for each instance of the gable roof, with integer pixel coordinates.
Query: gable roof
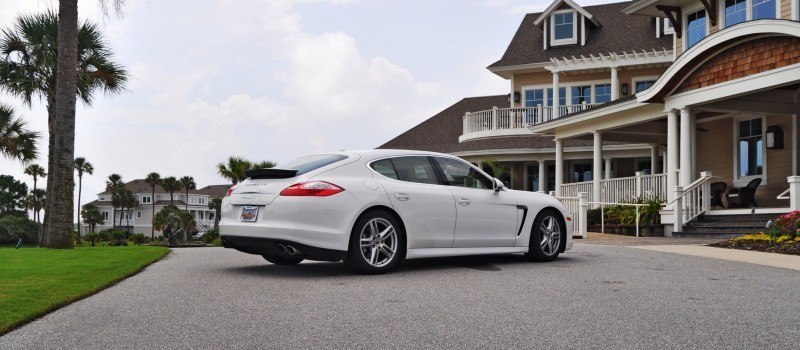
(619, 33)
(215, 191)
(440, 133)
(140, 186)
(555, 5)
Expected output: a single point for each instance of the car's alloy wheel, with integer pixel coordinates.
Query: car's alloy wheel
(546, 237)
(376, 245)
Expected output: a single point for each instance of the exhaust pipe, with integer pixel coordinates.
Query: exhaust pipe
(291, 250)
(282, 248)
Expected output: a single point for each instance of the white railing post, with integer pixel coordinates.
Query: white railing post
(553, 193)
(639, 184)
(466, 123)
(583, 205)
(677, 210)
(495, 120)
(706, 197)
(794, 192)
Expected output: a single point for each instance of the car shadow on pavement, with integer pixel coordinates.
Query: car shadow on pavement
(323, 270)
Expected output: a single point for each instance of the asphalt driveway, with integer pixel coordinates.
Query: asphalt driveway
(594, 297)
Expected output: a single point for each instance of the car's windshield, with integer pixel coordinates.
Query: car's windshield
(310, 163)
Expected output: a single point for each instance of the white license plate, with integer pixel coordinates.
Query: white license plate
(249, 213)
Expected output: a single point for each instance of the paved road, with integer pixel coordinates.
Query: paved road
(594, 297)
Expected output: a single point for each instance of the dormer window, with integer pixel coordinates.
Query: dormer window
(564, 28)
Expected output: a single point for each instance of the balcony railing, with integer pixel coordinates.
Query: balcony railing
(512, 121)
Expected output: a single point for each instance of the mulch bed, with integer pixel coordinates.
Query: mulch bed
(782, 248)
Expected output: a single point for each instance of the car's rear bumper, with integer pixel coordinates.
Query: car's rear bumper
(280, 247)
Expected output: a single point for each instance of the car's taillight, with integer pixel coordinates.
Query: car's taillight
(230, 191)
(312, 188)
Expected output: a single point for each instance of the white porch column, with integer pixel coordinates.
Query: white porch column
(542, 177)
(686, 147)
(654, 159)
(664, 161)
(614, 84)
(672, 152)
(559, 166)
(597, 166)
(556, 112)
(794, 192)
(607, 168)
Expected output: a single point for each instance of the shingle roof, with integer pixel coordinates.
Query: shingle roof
(618, 33)
(140, 186)
(215, 191)
(440, 133)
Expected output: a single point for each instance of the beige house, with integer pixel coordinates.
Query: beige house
(140, 218)
(708, 89)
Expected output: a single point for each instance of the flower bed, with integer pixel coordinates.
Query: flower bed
(783, 237)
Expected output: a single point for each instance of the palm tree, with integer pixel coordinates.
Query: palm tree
(216, 205)
(82, 167)
(234, 169)
(187, 183)
(187, 223)
(153, 179)
(37, 53)
(92, 216)
(171, 185)
(263, 165)
(127, 201)
(113, 184)
(35, 171)
(16, 141)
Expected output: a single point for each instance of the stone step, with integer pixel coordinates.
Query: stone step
(721, 229)
(710, 234)
(758, 224)
(736, 218)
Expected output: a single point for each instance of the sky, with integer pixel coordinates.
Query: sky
(272, 79)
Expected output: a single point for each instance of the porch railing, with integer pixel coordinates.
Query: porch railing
(621, 189)
(515, 118)
(692, 201)
(578, 206)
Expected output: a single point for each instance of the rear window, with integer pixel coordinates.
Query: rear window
(311, 163)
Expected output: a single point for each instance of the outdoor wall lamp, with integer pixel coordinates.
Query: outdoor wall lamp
(624, 88)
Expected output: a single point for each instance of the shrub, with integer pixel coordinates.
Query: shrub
(103, 236)
(626, 214)
(13, 227)
(117, 244)
(118, 235)
(210, 235)
(139, 238)
(787, 224)
(91, 238)
(217, 242)
(757, 237)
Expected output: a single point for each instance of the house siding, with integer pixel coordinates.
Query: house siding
(786, 9)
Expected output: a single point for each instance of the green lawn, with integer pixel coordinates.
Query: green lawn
(35, 281)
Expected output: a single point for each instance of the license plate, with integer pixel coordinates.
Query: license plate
(249, 213)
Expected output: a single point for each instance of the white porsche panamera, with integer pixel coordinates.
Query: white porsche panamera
(375, 208)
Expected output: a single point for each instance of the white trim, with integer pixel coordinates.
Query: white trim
(668, 29)
(568, 41)
(727, 35)
(583, 30)
(795, 10)
(639, 79)
(546, 13)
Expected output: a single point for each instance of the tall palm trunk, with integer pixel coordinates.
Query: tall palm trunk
(153, 217)
(187, 199)
(61, 186)
(80, 184)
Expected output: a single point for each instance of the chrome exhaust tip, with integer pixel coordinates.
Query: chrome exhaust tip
(291, 250)
(282, 249)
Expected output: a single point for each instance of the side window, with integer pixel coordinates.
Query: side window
(385, 168)
(462, 175)
(414, 169)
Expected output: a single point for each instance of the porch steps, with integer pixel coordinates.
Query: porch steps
(725, 226)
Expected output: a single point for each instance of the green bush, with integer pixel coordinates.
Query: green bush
(13, 227)
(117, 244)
(92, 238)
(626, 214)
(138, 238)
(217, 242)
(210, 236)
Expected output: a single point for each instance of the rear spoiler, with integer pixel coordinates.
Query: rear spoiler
(270, 173)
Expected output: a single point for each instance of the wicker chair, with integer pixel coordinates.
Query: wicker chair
(717, 191)
(747, 194)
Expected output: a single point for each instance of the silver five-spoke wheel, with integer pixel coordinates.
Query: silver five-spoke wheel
(378, 241)
(550, 235)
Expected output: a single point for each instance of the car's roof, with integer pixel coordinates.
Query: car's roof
(381, 153)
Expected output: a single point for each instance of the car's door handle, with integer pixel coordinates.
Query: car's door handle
(463, 201)
(402, 196)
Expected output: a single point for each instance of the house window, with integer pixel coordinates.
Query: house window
(751, 154)
(138, 214)
(602, 93)
(105, 216)
(581, 94)
(735, 12)
(581, 172)
(147, 200)
(534, 98)
(695, 27)
(562, 96)
(764, 9)
(644, 85)
(564, 27)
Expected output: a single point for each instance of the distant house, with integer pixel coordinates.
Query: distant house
(139, 219)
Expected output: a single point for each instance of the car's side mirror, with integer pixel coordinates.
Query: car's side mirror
(498, 185)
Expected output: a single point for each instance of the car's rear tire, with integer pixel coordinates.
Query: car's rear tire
(284, 261)
(547, 236)
(377, 243)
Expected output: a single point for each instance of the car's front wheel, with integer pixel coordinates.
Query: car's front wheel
(546, 237)
(280, 260)
(377, 244)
